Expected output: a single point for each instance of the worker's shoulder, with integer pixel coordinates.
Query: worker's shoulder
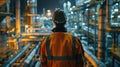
(68, 34)
(60, 34)
(72, 36)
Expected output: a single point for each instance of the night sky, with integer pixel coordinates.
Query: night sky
(51, 4)
(47, 4)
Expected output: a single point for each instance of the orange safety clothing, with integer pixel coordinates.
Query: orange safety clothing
(61, 49)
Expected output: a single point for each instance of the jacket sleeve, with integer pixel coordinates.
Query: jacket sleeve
(43, 58)
(79, 53)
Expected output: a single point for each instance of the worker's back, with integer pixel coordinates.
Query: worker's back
(60, 50)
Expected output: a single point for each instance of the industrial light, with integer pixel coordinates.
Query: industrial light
(118, 16)
(73, 7)
(48, 10)
(64, 4)
(68, 3)
(70, 9)
(71, 12)
(112, 16)
(93, 16)
(86, 9)
(26, 26)
(116, 10)
(75, 26)
(49, 13)
(116, 4)
(83, 24)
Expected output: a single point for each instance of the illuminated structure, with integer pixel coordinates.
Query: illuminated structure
(101, 26)
(95, 22)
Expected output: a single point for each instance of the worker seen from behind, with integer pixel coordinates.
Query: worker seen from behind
(61, 49)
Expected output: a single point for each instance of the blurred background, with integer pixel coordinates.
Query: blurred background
(24, 23)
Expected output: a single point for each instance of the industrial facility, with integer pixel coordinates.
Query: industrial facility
(95, 22)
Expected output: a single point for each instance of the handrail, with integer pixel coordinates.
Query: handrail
(92, 58)
(13, 59)
(29, 58)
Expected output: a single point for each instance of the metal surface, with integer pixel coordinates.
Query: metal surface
(35, 34)
(12, 60)
(91, 57)
(3, 2)
(17, 16)
(29, 58)
(101, 34)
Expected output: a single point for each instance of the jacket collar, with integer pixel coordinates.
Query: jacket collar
(59, 29)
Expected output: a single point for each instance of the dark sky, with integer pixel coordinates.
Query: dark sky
(47, 4)
(51, 4)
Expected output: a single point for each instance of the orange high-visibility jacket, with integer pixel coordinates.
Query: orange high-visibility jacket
(61, 49)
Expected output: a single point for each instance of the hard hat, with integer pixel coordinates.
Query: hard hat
(59, 17)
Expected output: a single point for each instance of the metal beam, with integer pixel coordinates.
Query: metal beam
(3, 2)
(35, 34)
(91, 57)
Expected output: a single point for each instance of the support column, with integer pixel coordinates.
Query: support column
(8, 6)
(88, 18)
(95, 40)
(101, 34)
(17, 16)
(113, 42)
(108, 12)
(31, 19)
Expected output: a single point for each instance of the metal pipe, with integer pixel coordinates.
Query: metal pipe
(95, 25)
(8, 6)
(17, 16)
(113, 42)
(31, 55)
(91, 57)
(108, 12)
(101, 33)
(12, 60)
(88, 17)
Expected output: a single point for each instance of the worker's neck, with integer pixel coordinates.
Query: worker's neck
(59, 29)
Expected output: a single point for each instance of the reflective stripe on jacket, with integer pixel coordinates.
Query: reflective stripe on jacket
(61, 49)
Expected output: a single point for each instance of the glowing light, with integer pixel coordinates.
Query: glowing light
(7, 45)
(49, 13)
(116, 3)
(70, 9)
(71, 12)
(73, 7)
(112, 16)
(83, 23)
(86, 9)
(116, 10)
(75, 26)
(68, 3)
(64, 4)
(26, 26)
(118, 16)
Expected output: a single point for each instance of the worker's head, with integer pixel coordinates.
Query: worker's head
(59, 17)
